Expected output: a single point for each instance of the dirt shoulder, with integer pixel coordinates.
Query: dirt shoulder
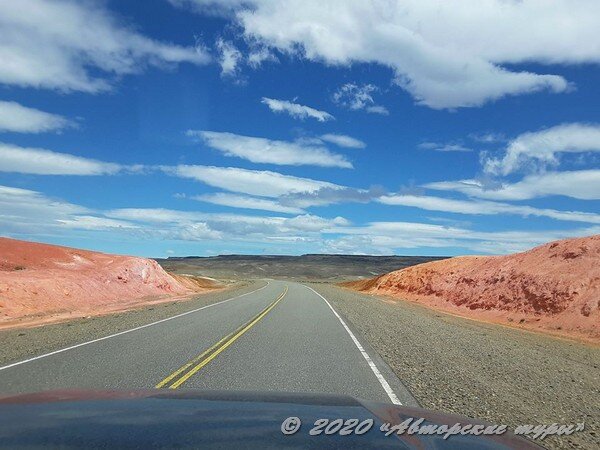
(494, 373)
(19, 344)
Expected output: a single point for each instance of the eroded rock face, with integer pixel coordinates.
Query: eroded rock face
(555, 286)
(38, 280)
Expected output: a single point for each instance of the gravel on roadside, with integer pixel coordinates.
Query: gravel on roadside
(494, 373)
(20, 344)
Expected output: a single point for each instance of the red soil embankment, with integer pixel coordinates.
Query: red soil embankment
(554, 287)
(41, 283)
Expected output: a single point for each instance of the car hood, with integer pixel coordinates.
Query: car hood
(215, 419)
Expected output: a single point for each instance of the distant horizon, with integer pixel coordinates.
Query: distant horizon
(34, 241)
(266, 255)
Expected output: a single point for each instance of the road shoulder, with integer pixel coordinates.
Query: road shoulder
(497, 374)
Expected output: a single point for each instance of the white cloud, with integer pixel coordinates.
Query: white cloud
(296, 110)
(176, 224)
(40, 161)
(310, 222)
(243, 201)
(328, 195)
(16, 203)
(24, 210)
(261, 150)
(487, 137)
(21, 119)
(154, 215)
(378, 109)
(76, 46)
(198, 231)
(389, 237)
(258, 56)
(449, 147)
(355, 97)
(541, 148)
(446, 55)
(95, 223)
(343, 140)
(229, 57)
(481, 207)
(581, 184)
(262, 183)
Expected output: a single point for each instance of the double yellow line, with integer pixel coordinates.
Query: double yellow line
(186, 371)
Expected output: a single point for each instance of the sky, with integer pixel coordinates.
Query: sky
(196, 127)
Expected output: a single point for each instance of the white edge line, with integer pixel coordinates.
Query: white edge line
(129, 331)
(386, 386)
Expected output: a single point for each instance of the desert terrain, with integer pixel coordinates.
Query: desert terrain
(304, 267)
(41, 283)
(554, 287)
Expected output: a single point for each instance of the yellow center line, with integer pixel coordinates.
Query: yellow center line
(212, 352)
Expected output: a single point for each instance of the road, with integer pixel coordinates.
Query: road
(282, 337)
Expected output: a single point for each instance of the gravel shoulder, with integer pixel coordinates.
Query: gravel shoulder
(494, 373)
(19, 344)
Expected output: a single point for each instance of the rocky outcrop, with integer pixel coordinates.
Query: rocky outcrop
(553, 287)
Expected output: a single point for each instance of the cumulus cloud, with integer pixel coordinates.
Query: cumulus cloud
(580, 184)
(534, 153)
(17, 118)
(76, 46)
(445, 55)
(296, 110)
(40, 161)
(343, 140)
(541, 149)
(355, 97)
(262, 150)
(261, 183)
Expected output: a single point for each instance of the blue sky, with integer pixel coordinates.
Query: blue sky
(193, 127)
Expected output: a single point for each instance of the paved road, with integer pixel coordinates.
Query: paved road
(282, 337)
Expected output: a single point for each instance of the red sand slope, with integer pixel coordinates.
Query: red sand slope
(553, 287)
(41, 283)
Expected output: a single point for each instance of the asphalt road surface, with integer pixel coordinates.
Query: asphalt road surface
(282, 337)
